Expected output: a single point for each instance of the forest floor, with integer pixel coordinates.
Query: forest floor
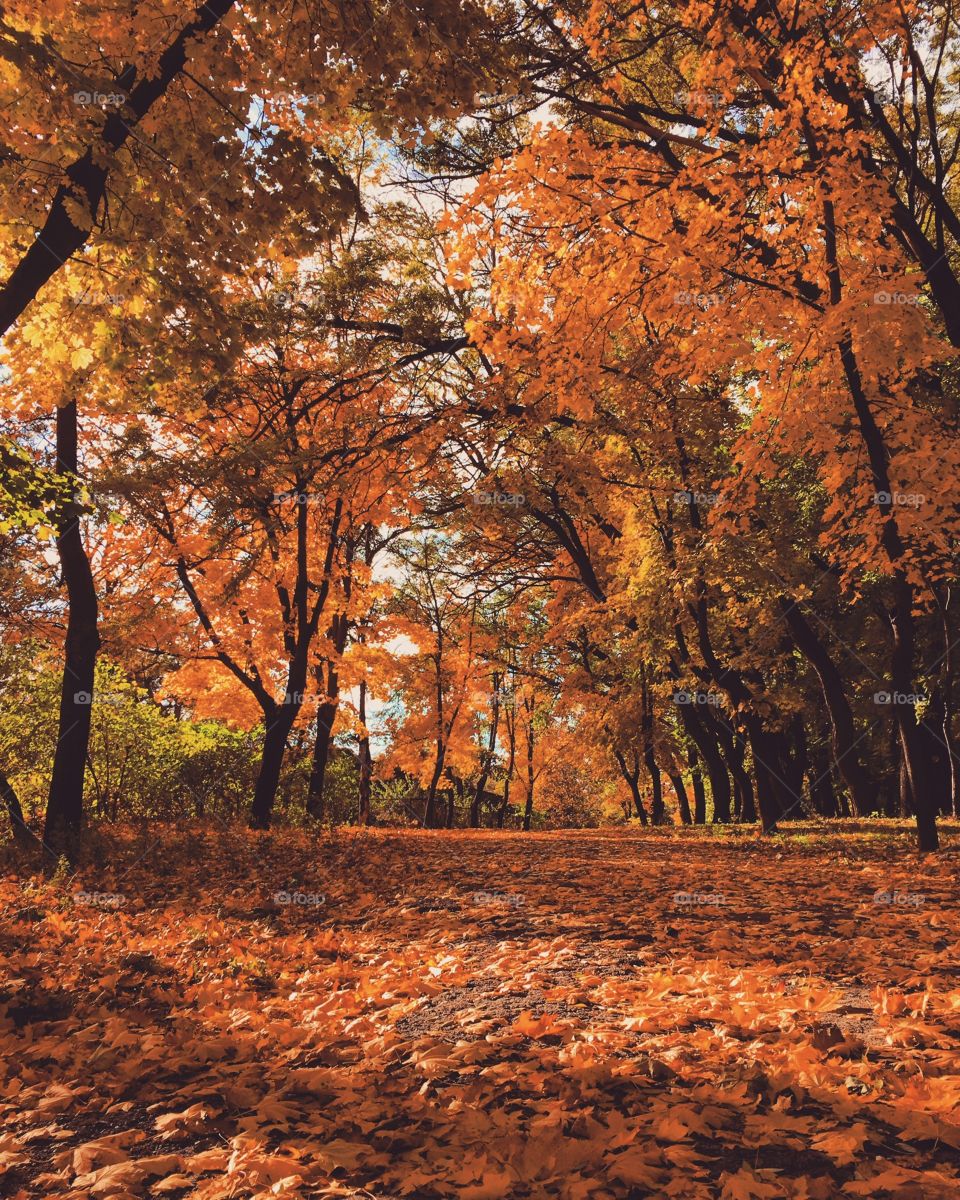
(588, 1016)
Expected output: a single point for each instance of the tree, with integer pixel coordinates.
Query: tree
(706, 216)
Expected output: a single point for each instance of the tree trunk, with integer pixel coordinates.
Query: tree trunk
(768, 772)
(900, 616)
(766, 767)
(64, 817)
(801, 756)
(22, 834)
(649, 755)
(733, 752)
(703, 736)
(430, 809)
(528, 807)
(326, 714)
(906, 799)
(279, 722)
(366, 760)
(930, 736)
(511, 721)
(842, 728)
(504, 803)
(657, 812)
(699, 795)
(683, 802)
(819, 778)
(633, 781)
(486, 761)
(456, 793)
(946, 685)
(925, 803)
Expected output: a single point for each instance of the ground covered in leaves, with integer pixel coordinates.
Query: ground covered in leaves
(475, 1016)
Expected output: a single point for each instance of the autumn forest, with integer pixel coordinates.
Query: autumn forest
(479, 644)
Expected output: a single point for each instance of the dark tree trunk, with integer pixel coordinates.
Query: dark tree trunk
(766, 770)
(22, 835)
(930, 736)
(771, 798)
(900, 616)
(528, 807)
(633, 781)
(890, 774)
(366, 760)
(456, 793)
(822, 795)
(947, 681)
(279, 722)
(843, 730)
(638, 804)
(326, 714)
(430, 808)
(733, 753)
(64, 817)
(511, 721)
(504, 803)
(799, 760)
(683, 802)
(748, 808)
(787, 787)
(919, 777)
(703, 735)
(657, 815)
(699, 794)
(486, 761)
(906, 799)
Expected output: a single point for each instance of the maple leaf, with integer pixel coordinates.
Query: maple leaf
(536, 1027)
(172, 1183)
(745, 1184)
(843, 1145)
(671, 1129)
(636, 1165)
